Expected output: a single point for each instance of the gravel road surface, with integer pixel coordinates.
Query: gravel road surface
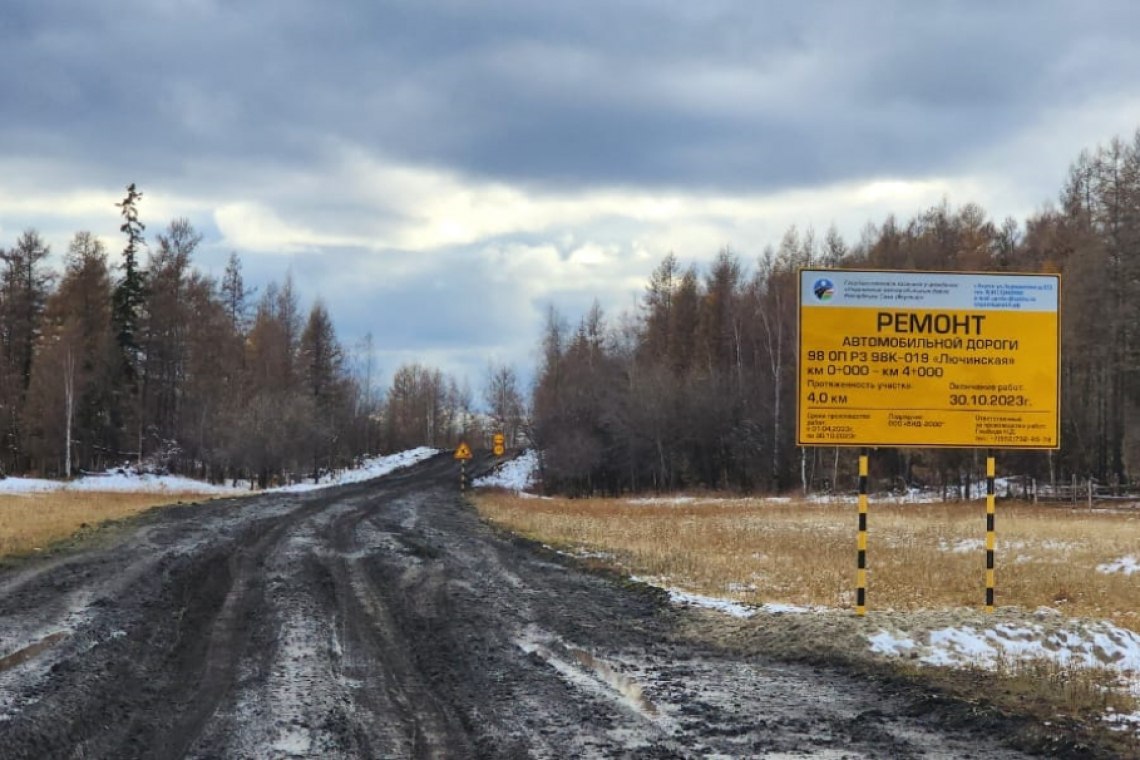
(385, 620)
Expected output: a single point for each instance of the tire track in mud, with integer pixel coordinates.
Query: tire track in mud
(226, 632)
(385, 620)
(159, 645)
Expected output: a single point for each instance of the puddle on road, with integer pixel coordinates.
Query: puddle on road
(620, 682)
(585, 669)
(21, 656)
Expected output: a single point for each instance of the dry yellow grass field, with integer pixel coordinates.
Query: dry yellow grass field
(32, 522)
(920, 556)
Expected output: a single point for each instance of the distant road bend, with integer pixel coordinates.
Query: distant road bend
(383, 619)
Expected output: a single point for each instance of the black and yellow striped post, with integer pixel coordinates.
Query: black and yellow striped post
(462, 453)
(991, 514)
(861, 572)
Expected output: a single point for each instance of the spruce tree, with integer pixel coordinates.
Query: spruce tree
(126, 306)
(130, 290)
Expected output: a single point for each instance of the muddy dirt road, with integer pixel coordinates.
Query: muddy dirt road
(384, 620)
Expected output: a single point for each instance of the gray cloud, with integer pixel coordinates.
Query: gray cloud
(733, 95)
(272, 112)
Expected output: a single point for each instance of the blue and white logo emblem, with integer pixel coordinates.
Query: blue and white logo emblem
(823, 288)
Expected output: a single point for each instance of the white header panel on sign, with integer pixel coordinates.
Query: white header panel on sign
(928, 290)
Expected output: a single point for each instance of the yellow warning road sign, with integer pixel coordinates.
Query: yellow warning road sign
(499, 444)
(463, 451)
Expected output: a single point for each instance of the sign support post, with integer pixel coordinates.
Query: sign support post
(861, 563)
(991, 515)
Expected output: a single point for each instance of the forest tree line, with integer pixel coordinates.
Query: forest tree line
(152, 364)
(697, 389)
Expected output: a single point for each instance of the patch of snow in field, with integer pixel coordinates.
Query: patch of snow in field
(662, 500)
(1054, 545)
(1123, 721)
(685, 499)
(519, 474)
(913, 496)
(680, 500)
(1002, 486)
(964, 546)
(1125, 565)
(21, 486)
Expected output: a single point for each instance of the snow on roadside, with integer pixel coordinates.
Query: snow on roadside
(519, 474)
(1076, 643)
(369, 469)
(727, 606)
(125, 482)
(1081, 644)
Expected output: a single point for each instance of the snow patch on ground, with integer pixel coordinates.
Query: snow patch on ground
(726, 606)
(114, 482)
(1002, 487)
(1125, 565)
(519, 474)
(122, 481)
(1081, 644)
(964, 546)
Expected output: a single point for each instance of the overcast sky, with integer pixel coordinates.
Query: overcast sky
(441, 172)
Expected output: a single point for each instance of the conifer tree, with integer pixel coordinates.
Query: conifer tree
(130, 290)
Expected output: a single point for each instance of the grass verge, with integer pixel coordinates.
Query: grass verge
(32, 523)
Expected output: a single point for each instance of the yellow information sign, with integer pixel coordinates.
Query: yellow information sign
(498, 444)
(463, 451)
(929, 359)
